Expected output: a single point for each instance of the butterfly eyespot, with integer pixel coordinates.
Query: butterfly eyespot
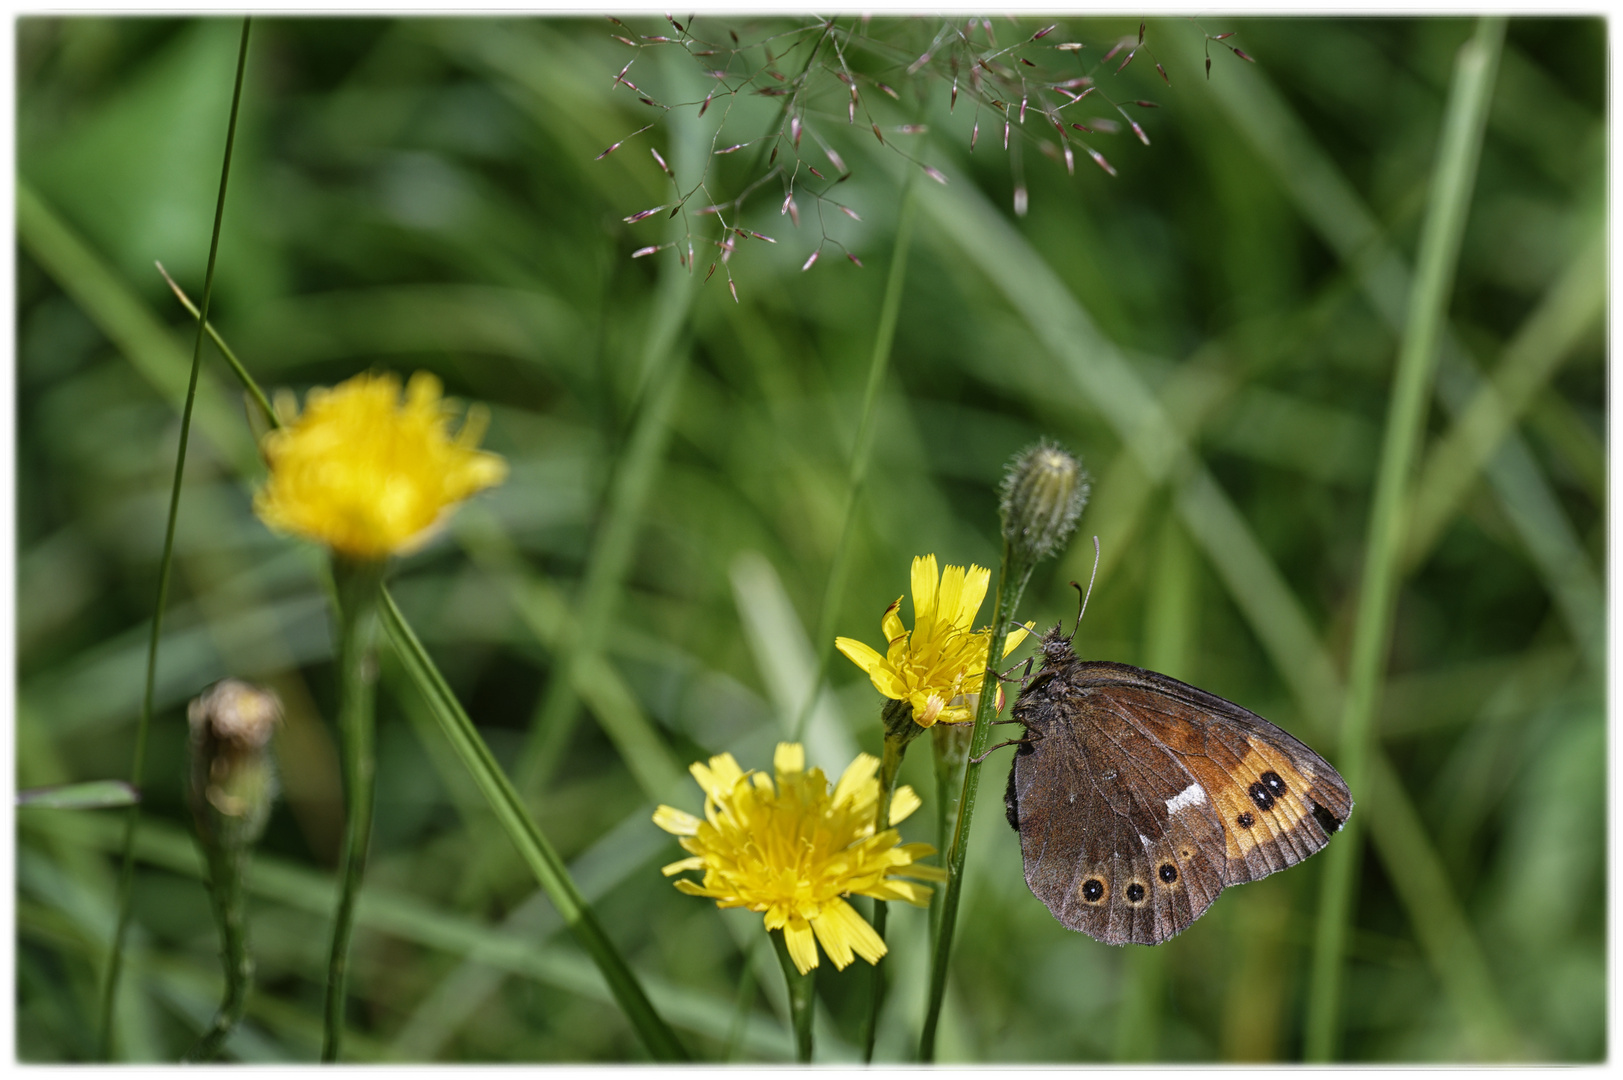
(1093, 890)
(1245, 820)
(1261, 795)
(1168, 872)
(1135, 892)
(1276, 785)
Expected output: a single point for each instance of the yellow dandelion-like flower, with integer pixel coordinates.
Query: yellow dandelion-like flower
(794, 851)
(939, 665)
(369, 475)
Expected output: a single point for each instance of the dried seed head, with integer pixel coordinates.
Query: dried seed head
(236, 713)
(233, 779)
(1043, 495)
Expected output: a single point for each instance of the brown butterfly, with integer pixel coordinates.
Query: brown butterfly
(1138, 797)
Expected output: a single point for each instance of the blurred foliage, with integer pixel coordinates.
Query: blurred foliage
(423, 194)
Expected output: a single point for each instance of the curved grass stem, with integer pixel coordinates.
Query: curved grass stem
(1450, 198)
(126, 876)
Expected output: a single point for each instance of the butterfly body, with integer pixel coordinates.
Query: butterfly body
(1138, 798)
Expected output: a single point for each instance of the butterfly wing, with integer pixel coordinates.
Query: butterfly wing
(1278, 802)
(1112, 839)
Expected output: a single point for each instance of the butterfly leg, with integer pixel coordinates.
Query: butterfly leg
(999, 746)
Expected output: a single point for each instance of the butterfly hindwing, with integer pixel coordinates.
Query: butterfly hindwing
(1112, 840)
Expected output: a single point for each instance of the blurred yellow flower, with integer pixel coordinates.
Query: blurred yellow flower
(795, 851)
(939, 665)
(368, 475)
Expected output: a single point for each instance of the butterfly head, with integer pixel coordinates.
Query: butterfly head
(1057, 647)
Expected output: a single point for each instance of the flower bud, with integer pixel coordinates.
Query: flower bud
(1043, 495)
(233, 779)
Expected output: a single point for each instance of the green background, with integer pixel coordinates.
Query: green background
(423, 194)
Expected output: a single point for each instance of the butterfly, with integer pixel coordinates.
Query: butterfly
(1139, 798)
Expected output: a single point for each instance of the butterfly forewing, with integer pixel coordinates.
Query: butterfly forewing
(1138, 797)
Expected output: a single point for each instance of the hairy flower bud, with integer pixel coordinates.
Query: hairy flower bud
(1043, 495)
(233, 778)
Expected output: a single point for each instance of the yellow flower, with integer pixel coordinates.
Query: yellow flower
(368, 475)
(794, 851)
(937, 667)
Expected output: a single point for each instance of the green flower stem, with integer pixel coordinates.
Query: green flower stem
(227, 871)
(126, 877)
(802, 995)
(358, 587)
(515, 819)
(1013, 574)
(950, 743)
(247, 380)
(526, 835)
(890, 763)
(1450, 199)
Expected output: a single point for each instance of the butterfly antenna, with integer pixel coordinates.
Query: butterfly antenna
(1084, 608)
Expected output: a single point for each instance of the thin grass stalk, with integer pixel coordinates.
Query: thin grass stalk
(526, 835)
(1452, 182)
(862, 451)
(949, 744)
(358, 585)
(802, 998)
(890, 763)
(1013, 574)
(126, 877)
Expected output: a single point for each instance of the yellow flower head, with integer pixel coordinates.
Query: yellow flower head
(368, 475)
(795, 851)
(939, 665)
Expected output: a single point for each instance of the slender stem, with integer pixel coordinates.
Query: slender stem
(1450, 199)
(526, 835)
(890, 763)
(126, 876)
(878, 366)
(950, 745)
(1012, 577)
(358, 587)
(802, 994)
(227, 890)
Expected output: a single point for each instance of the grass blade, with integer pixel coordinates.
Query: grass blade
(1450, 198)
(126, 881)
(537, 852)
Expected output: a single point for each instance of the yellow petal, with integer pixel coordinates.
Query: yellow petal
(859, 772)
(859, 654)
(892, 622)
(841, 931)
(1016, 636)
(797, 934)
(676, 821)
(694, 863)
(970, 599)
(788, 759)
(903, 802)
(925, 577)
(948, 601)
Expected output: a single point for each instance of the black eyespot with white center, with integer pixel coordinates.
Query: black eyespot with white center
(1275, 783)
(1261, 795)
(1245, 820)
(1093, 890)
(1135, 893)
(1168, 872)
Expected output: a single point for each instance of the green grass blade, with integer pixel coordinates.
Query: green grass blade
(537, 852)
(1450, 198)
(90, 795)
(126, 881)
(1574, 304)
